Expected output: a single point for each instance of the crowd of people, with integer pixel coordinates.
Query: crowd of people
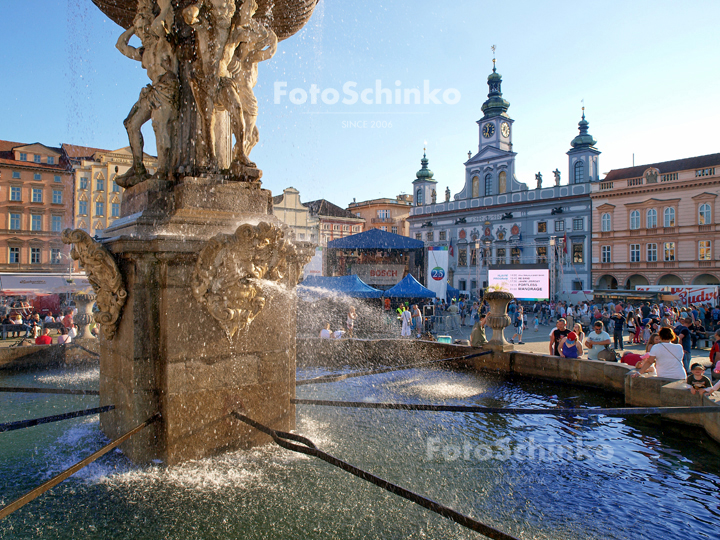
(32, 326)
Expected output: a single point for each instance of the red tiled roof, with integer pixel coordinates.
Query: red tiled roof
(322, 207)
(699, 162)
(77, 152)
(7, 146)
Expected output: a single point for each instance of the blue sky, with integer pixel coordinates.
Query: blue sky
(648, 72)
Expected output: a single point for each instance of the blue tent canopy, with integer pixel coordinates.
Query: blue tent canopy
(452, 292)
(316, 287)
(375, 239)
(409, 287)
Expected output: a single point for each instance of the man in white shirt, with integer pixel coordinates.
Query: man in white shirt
(596, 341)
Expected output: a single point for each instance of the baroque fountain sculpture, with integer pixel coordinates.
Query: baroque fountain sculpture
(195, 280)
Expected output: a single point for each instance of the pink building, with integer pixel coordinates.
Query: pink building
(657, 224)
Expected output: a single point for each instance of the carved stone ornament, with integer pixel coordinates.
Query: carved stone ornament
(236, 273)
(104, 276)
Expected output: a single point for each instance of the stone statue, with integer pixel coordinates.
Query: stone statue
(556, 172)
(159, 100)
(433, 196)
(538, 178)
(447, 194)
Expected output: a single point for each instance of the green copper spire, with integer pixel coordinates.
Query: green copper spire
(495, 104)
(584, 140)
(424, 173)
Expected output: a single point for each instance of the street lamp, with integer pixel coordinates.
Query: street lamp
(477, 268)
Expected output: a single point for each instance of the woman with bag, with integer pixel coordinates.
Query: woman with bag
(667, 357)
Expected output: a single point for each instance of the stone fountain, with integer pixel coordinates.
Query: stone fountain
(195, 281)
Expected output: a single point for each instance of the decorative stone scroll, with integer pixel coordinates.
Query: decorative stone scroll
(103, 275)
(229, 273)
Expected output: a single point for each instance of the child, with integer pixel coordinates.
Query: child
(697, 379)
(536, 322)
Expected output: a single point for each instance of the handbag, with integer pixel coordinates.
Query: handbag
(607, 354)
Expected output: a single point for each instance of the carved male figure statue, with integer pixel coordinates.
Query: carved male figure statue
(433, 196)
(159, 100)
(538, 177)
(556, 172)
(447, 194)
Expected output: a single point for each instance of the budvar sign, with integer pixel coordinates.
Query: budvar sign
(688, 295)
(379, 274)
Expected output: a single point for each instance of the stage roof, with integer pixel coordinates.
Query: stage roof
(316, 287)
(409, 287)
(375, 239)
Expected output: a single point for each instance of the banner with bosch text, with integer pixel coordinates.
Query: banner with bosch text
(437, 270)
(379, 274)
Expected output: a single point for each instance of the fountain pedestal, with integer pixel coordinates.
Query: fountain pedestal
(169, 353)
(498, 320)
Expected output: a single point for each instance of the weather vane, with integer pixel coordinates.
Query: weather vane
(493, 51)
(583, 107)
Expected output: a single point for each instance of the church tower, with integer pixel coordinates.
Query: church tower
(495, 125)
(424, 187)
(583, 160)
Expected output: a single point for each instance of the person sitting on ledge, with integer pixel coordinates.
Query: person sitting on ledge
(325, 332)
(666, 356)
(570, 346)
(63, 337)
(596, 340)
(697, 380)
(45, 339)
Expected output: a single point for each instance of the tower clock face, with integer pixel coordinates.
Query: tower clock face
(505, 129)
(488, 130)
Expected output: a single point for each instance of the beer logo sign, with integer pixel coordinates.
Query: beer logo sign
(437, 273)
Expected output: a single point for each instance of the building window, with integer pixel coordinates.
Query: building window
(488, 185)
(115, 209)
(57, 196)
(34, 255)
(634, 253)
(578, 254)
(383, 214)
(559, 225)
(473, 257)
(605, 223)
(502, 182)
(541, 254)
(578, 224)
(704, 214)
(82, 208)
(473, 284)
(57, 178)
(652, 253)
(515, 255)
(651, 219)
(100, 184)
(54, 256)
(100, 209)
(14, 222)
(36, 222)
(443, 236)
(669, 251)
(393, 230)
(500, 256)
(83, 182)
(542, 226)
(37, 159)
(56, 223)
(334, 227)
(606, 254)
(356, 228)
(634, 219)
(418, 236)
(37, 176)
(15, 194)
(14, 255)
(579, 172)
(699, 172)
(475, 187)
(418, 198)
(704, 250)
(51, 160)
(383, 228)
(23, 156)
(462, 257)
(462, 284)
(346, 228)
(36, 195)
(430, 236)
(16, 175)
(669, 217)
(116, 189)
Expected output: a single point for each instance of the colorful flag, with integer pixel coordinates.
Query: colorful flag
(452, 252)
(565, 244)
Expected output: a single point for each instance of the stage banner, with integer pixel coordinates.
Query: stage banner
(379, 274)
(437, 270)
(315, 266)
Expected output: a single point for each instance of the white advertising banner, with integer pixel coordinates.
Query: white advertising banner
(314, 267)
(379, 274)
(523, 284)
(437, 270)
(694, 294)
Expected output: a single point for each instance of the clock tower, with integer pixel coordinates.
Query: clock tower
(496, 125)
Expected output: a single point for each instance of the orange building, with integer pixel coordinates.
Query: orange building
(385, 214)
(657, 224)
(36, 204)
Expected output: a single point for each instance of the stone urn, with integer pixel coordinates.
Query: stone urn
(498, 319)
(84, 303)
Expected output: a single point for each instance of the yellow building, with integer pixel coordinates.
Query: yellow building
(97, 196)
(288, 209)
